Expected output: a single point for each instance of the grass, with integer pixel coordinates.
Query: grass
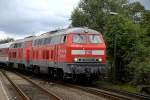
(124, 87)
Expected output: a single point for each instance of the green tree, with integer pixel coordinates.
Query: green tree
(121, 37)
(6, 40)
(145, 24)
(89, 14)
(141, 64)
(124, 37)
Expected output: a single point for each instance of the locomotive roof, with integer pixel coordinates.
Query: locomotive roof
(30, 38)
(82, 30)
(5, 45)
(76, 30)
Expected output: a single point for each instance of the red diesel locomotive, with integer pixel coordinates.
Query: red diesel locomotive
(68, 53)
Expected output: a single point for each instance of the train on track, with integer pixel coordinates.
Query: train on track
(68, 53)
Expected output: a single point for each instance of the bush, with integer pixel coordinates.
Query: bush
(142, 74)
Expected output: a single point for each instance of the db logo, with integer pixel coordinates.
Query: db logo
(88, 52)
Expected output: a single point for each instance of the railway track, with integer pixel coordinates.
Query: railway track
(111, 94)
(133, 95)
(27, 89)
(107, 93)
(102, 92)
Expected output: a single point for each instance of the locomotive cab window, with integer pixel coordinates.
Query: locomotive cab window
(78, 38)
(95, 39)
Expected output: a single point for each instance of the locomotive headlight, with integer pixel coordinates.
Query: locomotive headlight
(100, 60)
(75, 59)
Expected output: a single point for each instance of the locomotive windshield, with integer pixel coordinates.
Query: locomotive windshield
(78, 38)
(91, 38)
(95, 39)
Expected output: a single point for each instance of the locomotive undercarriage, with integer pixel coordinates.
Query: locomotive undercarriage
(86, 71)
(71, 71)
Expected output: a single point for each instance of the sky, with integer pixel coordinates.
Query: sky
(21, 18)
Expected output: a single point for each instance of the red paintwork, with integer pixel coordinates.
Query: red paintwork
(73, 46)
(4, 52)
(55, 53)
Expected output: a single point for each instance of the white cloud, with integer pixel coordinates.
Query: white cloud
(4, 35)
(19, 17)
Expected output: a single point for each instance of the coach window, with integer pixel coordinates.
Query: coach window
(49, 40)
(23, 44)
(36, 42)
(42, 41)
(58, 39)
(15, 45)
(53, 40)
(19, 45)
(45, 41)
(12, 46)
(63, 39)
(33, 43)
(39, 42)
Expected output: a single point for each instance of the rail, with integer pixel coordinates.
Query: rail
(53, 96)
(133, 95)
(19, 91)
(22, 94)
(110, 94)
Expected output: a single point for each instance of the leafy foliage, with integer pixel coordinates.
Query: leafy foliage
(126, 28)
(6, 40)
(123, 34)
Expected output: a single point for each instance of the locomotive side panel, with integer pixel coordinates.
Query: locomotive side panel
(50, 53)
